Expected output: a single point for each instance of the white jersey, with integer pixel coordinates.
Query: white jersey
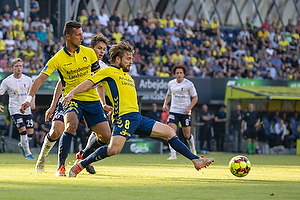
(181, 94)
(102, 64)
(17, 90)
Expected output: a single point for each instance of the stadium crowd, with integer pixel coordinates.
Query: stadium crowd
(206, 49)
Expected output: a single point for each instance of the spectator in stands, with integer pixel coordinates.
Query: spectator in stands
(36, 23)
(9, 43)
(82, 17)
(33, 42)
(115, 18)
(18, 21)
(93, 19)
(266, 24)
(117, 35)
(87, 35)
(170, 31)
(159, 31)
(157, 18)
(18, 11)
(6, 22)
(263, 33)
(149, 69)
(4, 63)
(248, 23)
(238, 53)
(177, 20)
(154, 113)
(215, 27)
(6, 10)
(139, 19)
(26, 24)
(103, 19)
(204, 23)
(245, 36)
(283, 43)
(190, 21)
(137, 37)
(278, 135)
(34, 8)
(132, 28)
(276, 61)
(169, 20)
(21, 45)
(41, 35)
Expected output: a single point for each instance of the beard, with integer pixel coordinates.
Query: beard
(124, 67)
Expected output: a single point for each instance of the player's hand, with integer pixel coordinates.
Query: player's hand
(108, 108)
(242, 130)
(24, 106)
(165, 108)
(186, 111)
(1, 109)
(67, 99)
(49, 113)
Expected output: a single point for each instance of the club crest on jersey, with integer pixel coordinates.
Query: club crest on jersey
(84, 59)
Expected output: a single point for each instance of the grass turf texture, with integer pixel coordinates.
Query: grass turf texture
(129, 176)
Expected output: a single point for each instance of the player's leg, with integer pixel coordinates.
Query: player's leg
(172, 151)
(71, 123)
(190, 138)
(162, 130)
(23, 144)
(57, 128)
(114, 147)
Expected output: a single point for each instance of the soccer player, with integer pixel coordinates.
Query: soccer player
(17, 86)
(180, 91)
(127, 120)
(55, 111)
(75, 64)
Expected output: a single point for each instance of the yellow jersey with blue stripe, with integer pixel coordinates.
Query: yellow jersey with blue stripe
(120, 89)
(74, 68)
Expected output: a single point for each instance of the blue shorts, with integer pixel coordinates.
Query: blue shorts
(132, 123)
(175, 118)
(22, 120)
(59, 113)
(91, 111)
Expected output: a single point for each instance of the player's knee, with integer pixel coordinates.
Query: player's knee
(111, 151)
(71, 127)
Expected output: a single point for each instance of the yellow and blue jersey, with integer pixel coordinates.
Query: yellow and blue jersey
(74, 68)
(120, 89)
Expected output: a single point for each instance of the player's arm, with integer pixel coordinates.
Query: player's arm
(84, 86)
(32, 91)
(242, 126)
(193, 103)
(1, 109)
(101, 93)
(32, 103)
(166, 101)
(57, 92)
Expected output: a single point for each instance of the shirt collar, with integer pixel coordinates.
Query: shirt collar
(68, 53)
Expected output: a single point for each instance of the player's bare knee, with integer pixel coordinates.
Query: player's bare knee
(71, 128)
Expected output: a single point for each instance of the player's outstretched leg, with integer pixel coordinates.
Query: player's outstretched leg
(24, 146)
(185, 151)
(47, 146)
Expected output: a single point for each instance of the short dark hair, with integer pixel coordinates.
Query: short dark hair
(119, 50)
(179, 66)
(98, 38)
(69, 26)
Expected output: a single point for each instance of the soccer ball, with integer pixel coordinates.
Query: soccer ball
(239, 166)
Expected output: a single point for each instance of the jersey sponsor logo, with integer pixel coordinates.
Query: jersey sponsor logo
(84, 59)
(171, 116)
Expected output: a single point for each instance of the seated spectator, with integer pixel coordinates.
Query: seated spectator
(278, 134)
(87, 36)
(29, 52)
(204, 23)
(115, 18)
(215, 27)
(82, 17)
(177, 57)
(150, 49)
(263, 33)
(149, 69)
(6, 10)
(139, 19)
(132, 28)
(103, 19)
(142, 47)
(6, 22)
(33, 42)
(169, 47)
(159, 31)
(169, 20)
(190, 21)
(257, 74)
(4, 63)
(117, 35)
(36, 23)
(248, 23)
(215, 68)
(157, 18)
(177, 20)
(245, 36)
(169, 30)
(9, 43)
(145, 28)
(162, 71)
(283, 43)
(18, 21)
(137, 37)
(286, 33)
(249, 60)
(266, 24)
(123, 24)
(93, 19)
(41, 35)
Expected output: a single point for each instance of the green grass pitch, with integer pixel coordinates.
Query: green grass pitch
(143, 177)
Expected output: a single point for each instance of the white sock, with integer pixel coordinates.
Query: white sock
(173, 152)
(47, 146)
(24, 144)
(191, 142)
